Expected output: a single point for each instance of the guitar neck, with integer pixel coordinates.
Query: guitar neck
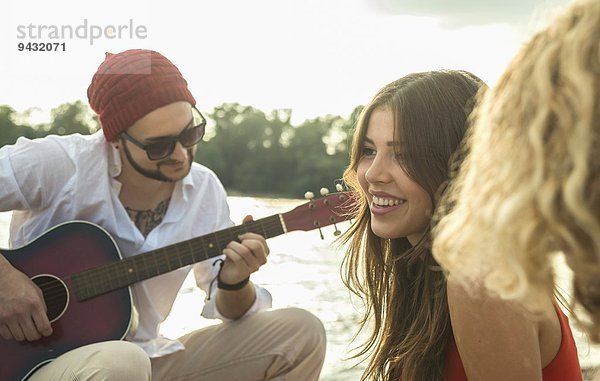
(93, 282)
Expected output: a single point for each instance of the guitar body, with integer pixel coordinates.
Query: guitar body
(62, 251)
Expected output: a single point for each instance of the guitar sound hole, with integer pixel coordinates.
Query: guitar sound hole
(55, 293)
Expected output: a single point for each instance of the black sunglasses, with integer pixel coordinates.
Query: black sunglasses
(165, 147)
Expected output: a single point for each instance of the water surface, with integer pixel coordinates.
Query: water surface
(303, 271)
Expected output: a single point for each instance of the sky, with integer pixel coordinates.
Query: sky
(316, 57)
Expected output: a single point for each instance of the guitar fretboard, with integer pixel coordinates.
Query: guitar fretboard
(93, 282)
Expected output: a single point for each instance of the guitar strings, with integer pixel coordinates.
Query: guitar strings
(165, 261)
(54, 290)
(160, 257)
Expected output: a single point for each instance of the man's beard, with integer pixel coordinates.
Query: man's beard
(156, 174)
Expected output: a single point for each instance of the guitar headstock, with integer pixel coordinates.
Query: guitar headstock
(320, 212)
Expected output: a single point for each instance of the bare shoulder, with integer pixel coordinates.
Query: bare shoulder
(497, 339)
(474, 298)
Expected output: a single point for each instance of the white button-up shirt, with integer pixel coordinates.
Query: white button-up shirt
(48, 181)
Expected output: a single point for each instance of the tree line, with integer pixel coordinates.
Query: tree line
(251, 151)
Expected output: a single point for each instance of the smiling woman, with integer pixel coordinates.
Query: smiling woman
(403, 141)
(400, 211)
(425, 327)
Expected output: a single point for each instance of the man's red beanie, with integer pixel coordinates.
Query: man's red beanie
(131, 84)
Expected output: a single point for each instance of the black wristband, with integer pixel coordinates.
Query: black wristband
(232, 287)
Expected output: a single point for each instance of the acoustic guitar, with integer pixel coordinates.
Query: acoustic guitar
(85, 281)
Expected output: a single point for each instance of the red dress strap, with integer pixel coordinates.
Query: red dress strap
(565, 365)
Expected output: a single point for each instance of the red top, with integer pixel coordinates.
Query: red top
(564, 367)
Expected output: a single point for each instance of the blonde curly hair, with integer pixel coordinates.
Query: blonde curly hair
(529, 186)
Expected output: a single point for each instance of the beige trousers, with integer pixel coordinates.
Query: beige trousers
(278, 345)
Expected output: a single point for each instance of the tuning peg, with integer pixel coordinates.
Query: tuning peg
(337, 231)
(324, 192)
(309, 195)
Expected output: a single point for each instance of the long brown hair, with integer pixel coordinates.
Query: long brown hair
(402, 287)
